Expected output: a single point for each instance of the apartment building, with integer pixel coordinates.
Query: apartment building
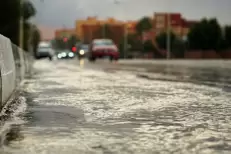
(177, 24)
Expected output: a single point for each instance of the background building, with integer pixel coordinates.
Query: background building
(59, 33)
(178, 25)
(92, 28)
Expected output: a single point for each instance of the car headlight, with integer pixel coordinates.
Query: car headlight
(70, 54)
(59, 55)
(81, 52)
(64, 54)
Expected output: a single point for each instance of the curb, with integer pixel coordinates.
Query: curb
(14, 67)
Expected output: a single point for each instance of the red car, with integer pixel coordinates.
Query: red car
(100, 48)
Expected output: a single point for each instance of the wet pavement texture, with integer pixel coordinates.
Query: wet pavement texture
(92, 108)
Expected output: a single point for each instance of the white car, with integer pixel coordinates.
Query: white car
(45, 50)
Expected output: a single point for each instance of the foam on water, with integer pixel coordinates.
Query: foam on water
(11, 113)
(125, 114)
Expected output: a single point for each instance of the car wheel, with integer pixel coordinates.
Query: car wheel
(50, 58)
(91, 59)
(111, 58)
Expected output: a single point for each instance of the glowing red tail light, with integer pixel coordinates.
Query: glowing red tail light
(74, 49)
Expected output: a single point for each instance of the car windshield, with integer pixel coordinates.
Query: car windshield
(44, 47)
(103, 42)
(84, 47)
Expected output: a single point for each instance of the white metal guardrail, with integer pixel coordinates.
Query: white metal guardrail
(15, 64)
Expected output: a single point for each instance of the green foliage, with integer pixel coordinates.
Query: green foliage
(161, 40)
(72, 41)
(36, 38)
(227, 36)
(28, 10)
(9, 25)
(58, 43)
(178, 46)
(205, 35)
(133, 43)
(143, 25)
(148, 46)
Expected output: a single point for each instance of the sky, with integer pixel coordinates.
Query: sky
(63, 13)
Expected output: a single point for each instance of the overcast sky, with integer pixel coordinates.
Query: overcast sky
(58, 13)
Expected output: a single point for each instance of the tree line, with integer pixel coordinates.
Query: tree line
(10, 13)
(205, 35)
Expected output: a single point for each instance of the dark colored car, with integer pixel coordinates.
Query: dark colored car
(65, 54)
(83, 50)
(100, 48)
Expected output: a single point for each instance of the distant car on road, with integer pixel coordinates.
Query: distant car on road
(100, 48)
(83, 50)
(44, 50)
(65, 54)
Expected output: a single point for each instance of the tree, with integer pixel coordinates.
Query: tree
(135, 43)
(73, 39)
(161, 40)
(177, 45)
(227, 36)
(59, 43)
(28, 10)
(205, 35)
(148, 46)
(178, 48)
(36, 38)
(9, 25)
(143, 25)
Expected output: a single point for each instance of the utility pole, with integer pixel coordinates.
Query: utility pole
(169, 36)
(104, 30)
(91, 27)
(21, 25)
(116, 2)
(125, 40)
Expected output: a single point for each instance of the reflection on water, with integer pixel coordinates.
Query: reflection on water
(81, 62)
(205, 76)
(120, 113)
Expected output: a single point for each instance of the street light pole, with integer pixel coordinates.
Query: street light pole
(125, 40)
(21, 25)
(125, 31)
(169, 36)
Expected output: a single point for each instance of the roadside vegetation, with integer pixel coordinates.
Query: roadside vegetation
(10, 12)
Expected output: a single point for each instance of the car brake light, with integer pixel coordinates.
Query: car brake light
(74, 49)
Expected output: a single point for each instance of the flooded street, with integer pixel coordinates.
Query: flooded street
(83, 109)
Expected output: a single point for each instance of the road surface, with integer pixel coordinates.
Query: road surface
(91, 108)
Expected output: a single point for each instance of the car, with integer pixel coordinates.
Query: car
(65, 54)
(83, 51)
(100, 48)
(44, 50)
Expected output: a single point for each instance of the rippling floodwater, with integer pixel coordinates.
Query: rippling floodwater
(82, 110)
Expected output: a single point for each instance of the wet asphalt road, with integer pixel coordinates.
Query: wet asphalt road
(100, 108)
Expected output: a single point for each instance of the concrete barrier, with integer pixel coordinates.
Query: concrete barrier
(14, 66)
